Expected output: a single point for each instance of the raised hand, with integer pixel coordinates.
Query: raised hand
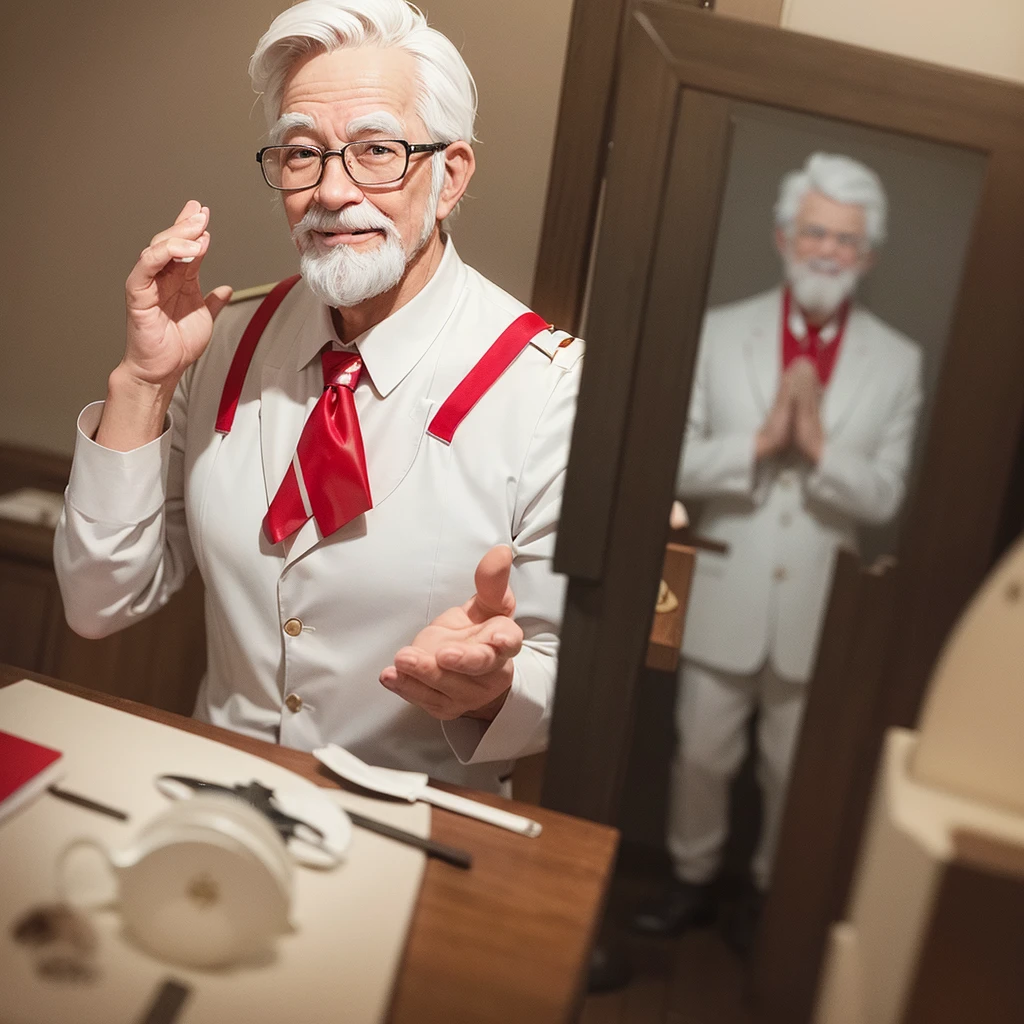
(169, 320)
(169, 325)
(461, 664)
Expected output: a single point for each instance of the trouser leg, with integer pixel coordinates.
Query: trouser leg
(781, 713)
(712, 709)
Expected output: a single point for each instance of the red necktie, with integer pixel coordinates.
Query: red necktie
(329, 464)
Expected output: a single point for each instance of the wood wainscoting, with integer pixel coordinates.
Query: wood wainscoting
(159, 661)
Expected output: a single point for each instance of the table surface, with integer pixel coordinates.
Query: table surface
(506, 941)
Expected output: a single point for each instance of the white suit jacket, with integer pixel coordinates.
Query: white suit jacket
(135, 524)
(782, 520)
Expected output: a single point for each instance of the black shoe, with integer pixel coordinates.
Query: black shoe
(740, 922)
(685, 905)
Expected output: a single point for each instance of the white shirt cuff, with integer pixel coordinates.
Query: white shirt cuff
(507, 737)
(116, 487)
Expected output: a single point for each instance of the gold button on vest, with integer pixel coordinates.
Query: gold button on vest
(293, 702)
(293, 627)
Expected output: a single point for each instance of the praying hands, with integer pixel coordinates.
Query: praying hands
(808, 433)
(794, 420)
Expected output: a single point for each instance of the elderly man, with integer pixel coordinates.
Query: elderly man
(343, 459)
(801, 426)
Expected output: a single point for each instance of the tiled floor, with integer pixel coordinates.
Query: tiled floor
(693, 979)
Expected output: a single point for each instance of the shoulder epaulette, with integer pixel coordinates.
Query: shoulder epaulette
(550, 341)
(244, 294)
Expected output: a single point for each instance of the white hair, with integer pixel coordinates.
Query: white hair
(841, 179)
(447, 98)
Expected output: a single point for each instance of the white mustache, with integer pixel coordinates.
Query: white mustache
(363, 217)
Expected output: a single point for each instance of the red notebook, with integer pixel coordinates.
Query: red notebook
(26, 769)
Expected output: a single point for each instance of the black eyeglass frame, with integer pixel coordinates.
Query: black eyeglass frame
(410, 149)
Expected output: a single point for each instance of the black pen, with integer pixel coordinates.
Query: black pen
(84, 801)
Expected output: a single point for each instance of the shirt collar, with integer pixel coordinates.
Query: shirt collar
(393, 347)
(798, 325)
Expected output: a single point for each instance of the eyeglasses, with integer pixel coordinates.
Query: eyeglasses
(377, 162)
(843, 239)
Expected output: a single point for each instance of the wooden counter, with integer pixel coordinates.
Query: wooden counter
(506, 941)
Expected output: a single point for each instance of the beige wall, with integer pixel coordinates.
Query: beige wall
(986, 36)
(126, 110)
(131, 108)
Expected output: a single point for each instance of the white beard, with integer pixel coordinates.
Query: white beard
(818, 286)
(342, 276)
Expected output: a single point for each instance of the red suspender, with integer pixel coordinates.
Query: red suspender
(244, 353)
(493, 363)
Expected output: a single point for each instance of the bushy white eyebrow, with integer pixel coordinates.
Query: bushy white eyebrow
(287, 123)
(380, 121)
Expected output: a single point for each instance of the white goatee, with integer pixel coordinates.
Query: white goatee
(820, 287)
(342, 276)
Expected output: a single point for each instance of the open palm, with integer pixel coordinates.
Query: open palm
(461, 663)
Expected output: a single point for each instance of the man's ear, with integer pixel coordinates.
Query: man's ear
(459, 165)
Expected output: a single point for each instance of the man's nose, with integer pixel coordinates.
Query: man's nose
(828, 246)
(336, 188)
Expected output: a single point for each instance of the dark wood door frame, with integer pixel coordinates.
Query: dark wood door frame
(829, 792)
(580, 156)
(681, 70)
(578, 160)
(607, 623)
(581, 146)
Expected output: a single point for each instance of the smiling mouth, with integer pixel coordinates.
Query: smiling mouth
(330, 238)
(360, 231)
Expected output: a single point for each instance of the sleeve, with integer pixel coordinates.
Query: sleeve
(712, 463)
(121, 548)
(870, 486)
(521, 726)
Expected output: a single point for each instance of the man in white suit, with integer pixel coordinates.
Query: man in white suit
(800, 429)
(305, 453)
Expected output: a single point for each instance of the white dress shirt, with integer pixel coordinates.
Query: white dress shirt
(798, 327)
(135, 523)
